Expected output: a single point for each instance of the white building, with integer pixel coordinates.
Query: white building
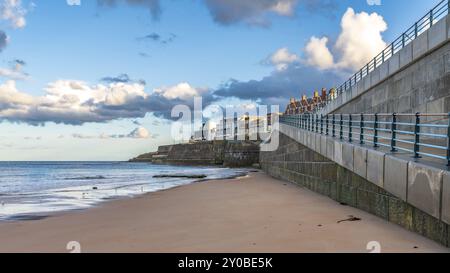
(244, 128)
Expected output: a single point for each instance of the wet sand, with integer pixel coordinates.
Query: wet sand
(253, 214)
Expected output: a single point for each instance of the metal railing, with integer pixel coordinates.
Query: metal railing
(422, 135)
(432, 17)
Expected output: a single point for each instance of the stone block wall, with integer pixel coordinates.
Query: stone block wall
(224, 153)
(311, 169)
(240, 154)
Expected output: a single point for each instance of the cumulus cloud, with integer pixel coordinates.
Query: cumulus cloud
(181, 91)
(282, 58)
(139, 133)
(360, 40)
(318, 54)
(152, 5)
(250, 12)
(13, 100)
(13, 12)
(76, 102)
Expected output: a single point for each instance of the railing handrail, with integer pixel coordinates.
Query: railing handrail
(432, 17)
(345, 127)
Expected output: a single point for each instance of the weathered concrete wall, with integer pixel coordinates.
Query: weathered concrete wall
(402, 192)
(202, 153)
(226, 153)
(240, 154)
(415, 79)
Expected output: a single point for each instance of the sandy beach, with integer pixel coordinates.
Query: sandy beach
(252, 214)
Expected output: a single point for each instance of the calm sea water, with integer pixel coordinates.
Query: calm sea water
(34, 189)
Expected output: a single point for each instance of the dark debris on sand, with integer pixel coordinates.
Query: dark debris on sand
(350, 219)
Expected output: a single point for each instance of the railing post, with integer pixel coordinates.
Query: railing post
(317, 123)
(417, 136)
(321, 122)
(403, 40)
(305, 125)
(431, 18)
(416, 30)
(334, 126)
(341, 128)
(394, 133)
(375, 131)
(448, 137)
(328, 122)
(392, 49)
(313, 123)
(305, 122)
(302, 124)
(361, 127)
(350, 125)
(309, 122)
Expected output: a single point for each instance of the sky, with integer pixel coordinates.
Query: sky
(97, 79)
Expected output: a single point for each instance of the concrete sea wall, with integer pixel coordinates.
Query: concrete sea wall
(224, 153)
(312, 169)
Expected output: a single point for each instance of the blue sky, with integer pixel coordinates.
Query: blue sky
(193, 47)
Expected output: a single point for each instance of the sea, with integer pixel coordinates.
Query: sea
(32, 190)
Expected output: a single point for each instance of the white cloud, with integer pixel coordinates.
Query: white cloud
(282, 58)
(250, 12)
(318, 54)
(284, 7)
(139, 133)
(9, 95)
(67, 101)
(360, 41)
(182, 91)
(14, 73)
(76, 102)
(77, 93)
(12, 11)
